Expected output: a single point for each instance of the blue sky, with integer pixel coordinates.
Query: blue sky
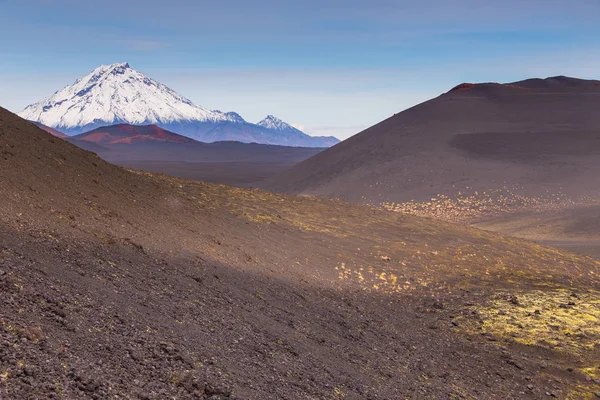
(331, 67)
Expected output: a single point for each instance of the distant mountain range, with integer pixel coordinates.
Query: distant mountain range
(154, 149)
(117, 94)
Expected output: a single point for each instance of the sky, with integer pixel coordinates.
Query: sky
(330, 67)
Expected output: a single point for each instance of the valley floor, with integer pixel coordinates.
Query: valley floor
(574, 228)
(240, 174)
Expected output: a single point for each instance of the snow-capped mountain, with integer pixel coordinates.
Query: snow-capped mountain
(274, 124)
(118, 94)
(271, 122)
(113, 94)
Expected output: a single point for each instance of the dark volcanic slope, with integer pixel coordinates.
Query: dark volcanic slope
(149, 143)
(543, 134)
(207, 152)
(130, 134)
(50, 130)
(116, 284)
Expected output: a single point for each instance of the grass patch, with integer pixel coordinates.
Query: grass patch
(560, 319)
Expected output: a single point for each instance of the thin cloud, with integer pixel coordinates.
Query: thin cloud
(299, 127)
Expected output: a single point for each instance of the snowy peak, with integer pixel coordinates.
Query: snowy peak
(118, 68)
(113, 94)
(285, 130)
(105, 71)
(274, 123)
(233, 117)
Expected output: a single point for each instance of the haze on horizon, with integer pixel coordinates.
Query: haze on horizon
(331, 68)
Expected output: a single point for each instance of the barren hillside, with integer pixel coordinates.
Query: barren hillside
(118, 284)
(541, 135)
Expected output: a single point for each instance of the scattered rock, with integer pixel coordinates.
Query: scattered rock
(135, 355)
(216, 393)
(512, 299)
(90, 386)
(514, 364)
(431, 303)
(490, 337)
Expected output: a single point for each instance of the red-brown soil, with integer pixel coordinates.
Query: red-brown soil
(129, 134)
(118, 284)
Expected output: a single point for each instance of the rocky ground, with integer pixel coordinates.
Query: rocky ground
(120, 284)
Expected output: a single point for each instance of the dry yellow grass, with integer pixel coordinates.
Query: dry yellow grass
(466, 208)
